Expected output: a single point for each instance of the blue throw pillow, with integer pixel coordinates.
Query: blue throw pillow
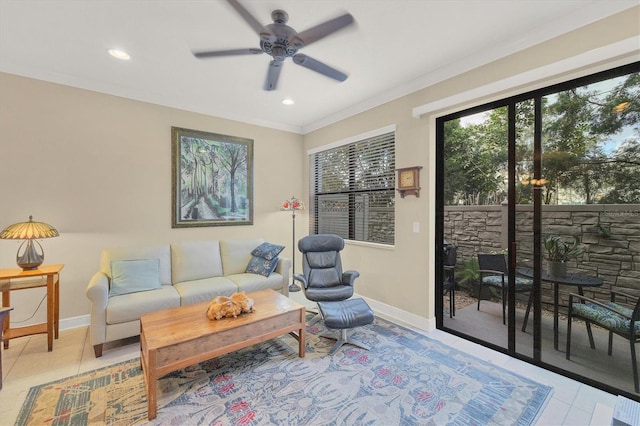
(267, 251)
(131, 276)
(262, 266)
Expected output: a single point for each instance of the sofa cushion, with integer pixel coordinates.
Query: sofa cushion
(204, 290)
(195, 260)
(267, 251)
(163, 253)
(264, 259)
(255, 282)
(236, 254)
(131, 276)
(262, 266)
(130, 307)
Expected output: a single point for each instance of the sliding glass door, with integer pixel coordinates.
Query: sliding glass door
(475, 190)
(527, 179)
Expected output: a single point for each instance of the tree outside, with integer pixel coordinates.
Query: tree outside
(590, 149)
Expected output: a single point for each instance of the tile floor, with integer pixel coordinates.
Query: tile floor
(27, 363)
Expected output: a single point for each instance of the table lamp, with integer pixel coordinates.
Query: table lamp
(293, 204)
(28, 256)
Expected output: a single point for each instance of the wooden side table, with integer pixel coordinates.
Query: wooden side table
(16, 279)
(3, 312)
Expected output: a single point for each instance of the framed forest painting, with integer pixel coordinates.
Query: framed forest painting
(212, 179)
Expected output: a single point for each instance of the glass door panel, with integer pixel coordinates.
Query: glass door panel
(475, 218)
(590, 199)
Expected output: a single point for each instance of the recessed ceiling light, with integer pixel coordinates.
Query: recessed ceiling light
(288, 101)
(120, 54)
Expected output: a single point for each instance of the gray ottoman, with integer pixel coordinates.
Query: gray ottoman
(344, 315)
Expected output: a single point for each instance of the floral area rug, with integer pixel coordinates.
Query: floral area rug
(405, 379)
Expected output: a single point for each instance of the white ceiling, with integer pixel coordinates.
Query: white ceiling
(395, 48)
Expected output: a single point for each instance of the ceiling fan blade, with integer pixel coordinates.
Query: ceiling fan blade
(260, 29)
(319, 67)
(232, 52)
(314, 34)
(273, 74)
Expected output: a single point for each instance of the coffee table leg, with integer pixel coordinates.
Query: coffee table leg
(152, 385)
(301, 341)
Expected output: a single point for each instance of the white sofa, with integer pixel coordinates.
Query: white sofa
(189, 272)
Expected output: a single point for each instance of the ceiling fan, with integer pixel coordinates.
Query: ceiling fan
(281, 42)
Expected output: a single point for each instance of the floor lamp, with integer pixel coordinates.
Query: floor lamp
(293, 204)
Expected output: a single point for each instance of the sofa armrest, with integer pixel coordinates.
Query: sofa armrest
(98, 293)
(282, 267)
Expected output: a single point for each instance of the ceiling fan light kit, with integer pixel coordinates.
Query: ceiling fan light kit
(280, 41)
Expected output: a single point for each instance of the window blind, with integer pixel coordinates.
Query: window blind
(352, 191)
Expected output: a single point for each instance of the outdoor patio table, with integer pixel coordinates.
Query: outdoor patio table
(578, 280)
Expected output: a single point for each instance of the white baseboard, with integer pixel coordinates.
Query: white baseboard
(74, 322)
(393, 313)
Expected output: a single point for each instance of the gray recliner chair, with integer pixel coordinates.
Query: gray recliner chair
(323, 279)
(324, 282)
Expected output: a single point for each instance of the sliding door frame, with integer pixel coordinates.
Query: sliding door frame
(511, 103)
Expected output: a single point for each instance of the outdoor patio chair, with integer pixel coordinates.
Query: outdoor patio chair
(449, 284)
(612, 316)
(493, 272)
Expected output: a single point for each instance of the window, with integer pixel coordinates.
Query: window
(352, 190)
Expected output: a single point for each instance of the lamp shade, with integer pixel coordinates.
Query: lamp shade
(28, 230)
(30, 255)
(292, 204)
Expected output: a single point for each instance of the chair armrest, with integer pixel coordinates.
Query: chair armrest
(595, 302)
(349, 277)
(302, 279)
(615, 293)
(490, 271)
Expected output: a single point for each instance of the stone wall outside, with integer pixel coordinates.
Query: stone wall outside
(610, 235)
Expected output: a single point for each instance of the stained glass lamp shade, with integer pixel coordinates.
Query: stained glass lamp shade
(30, 254)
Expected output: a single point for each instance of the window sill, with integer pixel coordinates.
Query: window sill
(371, 245)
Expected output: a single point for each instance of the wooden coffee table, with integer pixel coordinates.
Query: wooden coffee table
(175, 338)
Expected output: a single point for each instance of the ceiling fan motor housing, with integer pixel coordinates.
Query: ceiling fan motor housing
(278, 45)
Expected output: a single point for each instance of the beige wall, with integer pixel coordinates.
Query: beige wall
(98, 168)
(395, 276)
